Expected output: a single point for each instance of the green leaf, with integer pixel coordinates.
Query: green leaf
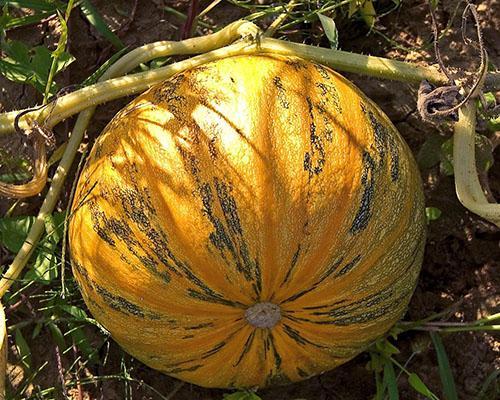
(390, 349)
(15, 72)
(417, 384)
(13, 231)
(379, 386)
(430, 152)
(63, 38)
(446, 165)
(484, 153)
(376, 363)
(75, 311)
(490, 99)
(242, 395)
(13, 22)
(23, 349)
(57, 335)
(432, 214)
(38, 5)
(390, 381)
(17, 50)
(490, 387)
(365, 8)
(98, 22)
(64, 60)
(494, 124)
(40, 62)
(54, 226)
(14, 177)
(368, 13)
(32, 66)
(44, 268)
(158, 62)
(395, 331)
(385, 347)
(493, 121)
(330, 29)
(449, 390)
(434, 3)
(81, 341)
(354, 6)
(5, 17)
(36, 330)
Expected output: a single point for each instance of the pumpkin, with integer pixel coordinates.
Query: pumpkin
(253, 221)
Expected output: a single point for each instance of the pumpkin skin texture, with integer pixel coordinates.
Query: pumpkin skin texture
(249, 180)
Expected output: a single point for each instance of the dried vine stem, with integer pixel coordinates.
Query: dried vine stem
(436, 104)
(437, 52)
(41, 137)
(483, 324)
(432, 103)
(111, 89)
(39, 179)
(467, 184)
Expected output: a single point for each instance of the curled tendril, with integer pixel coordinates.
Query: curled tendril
(42, 139)
(438, 104)
(37, 182)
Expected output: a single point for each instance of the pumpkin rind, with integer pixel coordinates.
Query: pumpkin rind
(252, 179)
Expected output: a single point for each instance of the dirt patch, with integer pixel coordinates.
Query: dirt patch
(462, 253)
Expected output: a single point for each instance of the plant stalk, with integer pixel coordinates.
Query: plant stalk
(458, 328)
(111, 89)
(468, 188)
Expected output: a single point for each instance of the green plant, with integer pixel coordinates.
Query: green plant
(241, 395)
(38, 65)
(40, 289)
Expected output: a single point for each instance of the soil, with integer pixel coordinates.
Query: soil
(462, 259)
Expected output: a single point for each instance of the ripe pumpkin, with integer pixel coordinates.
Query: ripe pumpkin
(253, 221)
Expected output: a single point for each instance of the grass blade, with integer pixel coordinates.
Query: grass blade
(37, 5)
(450, 392)
(98, 22)
(23, 349)
(417, 384)
(103, 68)
(57, 335)
(26, 20)
(380, 390)
(492, 380)
(390, 381)
(330, 30)
(242, 395)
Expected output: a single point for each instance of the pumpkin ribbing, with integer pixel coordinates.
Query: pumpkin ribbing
(249, 180)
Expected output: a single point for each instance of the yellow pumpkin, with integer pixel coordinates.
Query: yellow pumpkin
(253, 221)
